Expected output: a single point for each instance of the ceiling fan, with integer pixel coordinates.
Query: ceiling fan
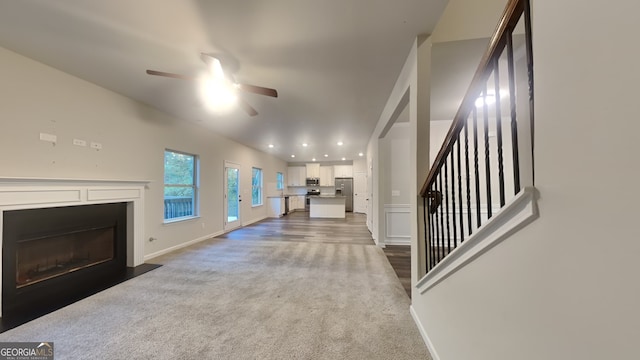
(222, 85)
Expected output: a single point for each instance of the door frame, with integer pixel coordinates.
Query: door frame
(360, 192)
(228, 226)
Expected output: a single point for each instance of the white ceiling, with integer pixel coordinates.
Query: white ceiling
(333, 62)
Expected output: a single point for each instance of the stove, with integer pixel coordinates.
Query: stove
(307, 201)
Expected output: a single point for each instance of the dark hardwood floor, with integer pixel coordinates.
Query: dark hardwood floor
(298, 226)
(400, 259)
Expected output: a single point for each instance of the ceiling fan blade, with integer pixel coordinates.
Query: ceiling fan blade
(258, 90)
(170, 75)
(247, 108)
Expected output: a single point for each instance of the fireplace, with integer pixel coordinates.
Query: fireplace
(60, 253)
(57, 214)
(46, 257)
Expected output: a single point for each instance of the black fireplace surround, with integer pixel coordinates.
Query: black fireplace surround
(52, 255)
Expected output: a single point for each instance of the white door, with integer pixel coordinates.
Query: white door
(360, 193)
(232, 196)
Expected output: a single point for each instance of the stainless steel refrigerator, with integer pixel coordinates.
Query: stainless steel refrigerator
(344, 187)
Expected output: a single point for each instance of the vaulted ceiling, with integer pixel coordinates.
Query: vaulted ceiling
(333, 62)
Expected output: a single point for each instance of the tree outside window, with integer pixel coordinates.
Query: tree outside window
(256, 187)
(279, 181)
(180, 185)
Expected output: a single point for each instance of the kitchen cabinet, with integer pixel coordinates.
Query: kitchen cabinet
(342, 171)
(276, 207)
(296, 202)
(326, 176)
(313, 170)
(301, 202)
(293, 203)
(296, 176)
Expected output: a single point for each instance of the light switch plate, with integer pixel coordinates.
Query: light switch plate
(79, 142)
(96, 145)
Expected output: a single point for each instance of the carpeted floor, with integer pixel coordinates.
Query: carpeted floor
(243, 299)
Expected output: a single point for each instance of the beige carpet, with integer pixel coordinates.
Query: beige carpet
(243, 299)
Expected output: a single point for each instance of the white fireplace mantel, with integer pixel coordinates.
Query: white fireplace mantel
(34, 193)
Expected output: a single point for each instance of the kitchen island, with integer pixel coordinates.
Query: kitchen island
(327, 206)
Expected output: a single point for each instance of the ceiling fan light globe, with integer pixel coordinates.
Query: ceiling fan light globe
(217, 94)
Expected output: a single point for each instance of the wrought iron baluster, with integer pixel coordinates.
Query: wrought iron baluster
(514, 122)
(432, 239)
(476, 165)
(453, 199)
(487, 152)
(427, 233)
(496, 77)
(441, 246)
(527, 32)
(460, 189)
(436, 226)
(446, 204)
(468, 174)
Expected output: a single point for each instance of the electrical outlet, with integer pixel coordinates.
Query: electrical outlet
(96, 145)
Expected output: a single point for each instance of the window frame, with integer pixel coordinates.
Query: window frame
(259, 187)
(194, 186)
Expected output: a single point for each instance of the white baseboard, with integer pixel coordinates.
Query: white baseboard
(423, 332)
(397, 241)
(180, 246)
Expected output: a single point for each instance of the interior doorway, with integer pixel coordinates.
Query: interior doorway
(360, 192)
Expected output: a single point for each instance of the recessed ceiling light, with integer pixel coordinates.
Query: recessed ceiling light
(314, 159)
(293, 155)
(343, 159)
(360, 154)
(339, 143)
(271, 146)
(326, 155)
(305, 144)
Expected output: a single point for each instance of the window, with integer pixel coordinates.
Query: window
(280, 181)
(256, 187)
(180, 185)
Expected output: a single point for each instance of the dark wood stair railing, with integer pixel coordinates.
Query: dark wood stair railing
(455, 181)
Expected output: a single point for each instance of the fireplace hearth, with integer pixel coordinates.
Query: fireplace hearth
(53, 254)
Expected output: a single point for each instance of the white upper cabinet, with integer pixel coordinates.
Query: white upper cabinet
(313, 170)
(296, 176)
(326, 176)
(342, 171)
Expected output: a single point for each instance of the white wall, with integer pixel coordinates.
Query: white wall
(394, 148)
(35, 98)
(468, 19)
(565, 286)
(439, 130)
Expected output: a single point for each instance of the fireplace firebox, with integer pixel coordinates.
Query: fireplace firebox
(55, 254)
